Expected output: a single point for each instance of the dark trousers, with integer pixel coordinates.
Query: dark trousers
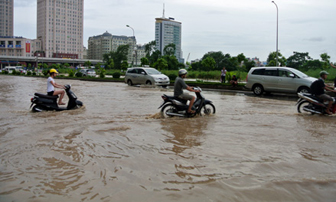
(223, 79)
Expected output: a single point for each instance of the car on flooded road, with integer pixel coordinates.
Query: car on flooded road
(277, 79)
(147, 76)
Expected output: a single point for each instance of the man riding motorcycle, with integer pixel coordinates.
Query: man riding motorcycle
(179, 85)
(318, 88)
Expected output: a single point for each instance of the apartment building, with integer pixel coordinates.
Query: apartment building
(6, 17)
(60, 27)
(105, 43)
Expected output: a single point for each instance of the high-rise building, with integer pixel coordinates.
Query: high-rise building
(60, 27)
(6, 17)
(105, 43)
(168, 31)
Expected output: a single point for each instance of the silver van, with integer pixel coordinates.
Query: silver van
(277, 79)
(146, 75)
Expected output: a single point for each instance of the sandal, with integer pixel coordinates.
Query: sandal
(61, 103)
(191, 112)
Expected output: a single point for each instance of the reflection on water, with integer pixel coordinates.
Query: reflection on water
(118, 148)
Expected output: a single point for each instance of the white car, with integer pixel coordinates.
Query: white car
(146, 75)
(88, 72)
(278, 79)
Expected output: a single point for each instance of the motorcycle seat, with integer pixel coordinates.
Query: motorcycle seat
(313, 97)
(176, 98)
(46, 96)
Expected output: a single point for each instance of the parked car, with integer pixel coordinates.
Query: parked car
(9, 69)
(277, 79)
(148, 76)
(88, 72)
(20, 69)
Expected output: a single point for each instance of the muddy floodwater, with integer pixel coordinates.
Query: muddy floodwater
(117, 148)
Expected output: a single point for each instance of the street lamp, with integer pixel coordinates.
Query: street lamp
(276, 60)
(134, 44)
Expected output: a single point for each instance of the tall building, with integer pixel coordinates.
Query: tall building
(60, 27)
(168, 31)
(6, 17)
(105, 43)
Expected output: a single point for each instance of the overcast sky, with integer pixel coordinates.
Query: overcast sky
(230, 26)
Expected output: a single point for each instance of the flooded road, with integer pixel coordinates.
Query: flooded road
(117, 148)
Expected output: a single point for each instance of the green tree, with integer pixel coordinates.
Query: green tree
(297, 60)
(117, 56)
(149, 48)
(325, 60)
(66, 65)
(312, 64)
(271, 60)
(169, 49)
(87, 63)
(124, 65)
(218, 57)
(144, 61)
(209, 63)
(161, 64)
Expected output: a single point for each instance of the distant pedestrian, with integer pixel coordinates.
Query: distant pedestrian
(234, 81)
(223, 74)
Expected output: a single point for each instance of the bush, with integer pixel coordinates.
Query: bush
(172, 76)
(5, 72)
(116, 75)
(14, 72)
(79, 74)
(71, 73)
(29, 73)
(45, 72)
(102, 73)
(34, 73)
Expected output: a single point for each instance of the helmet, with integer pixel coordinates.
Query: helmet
(183, 72)
(53, 71)
(323, 73)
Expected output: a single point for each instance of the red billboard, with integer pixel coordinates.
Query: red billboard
(27, 46)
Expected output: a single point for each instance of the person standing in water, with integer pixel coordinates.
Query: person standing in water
(51, 85)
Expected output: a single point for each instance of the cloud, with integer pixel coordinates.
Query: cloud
(315, 39)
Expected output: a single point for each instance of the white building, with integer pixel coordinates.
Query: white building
(6, 17)
(20, 47)
(105, 43)
(60, 27)
(168, 31)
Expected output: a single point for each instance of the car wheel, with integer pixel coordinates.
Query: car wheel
(129, 82)
(304, 90)
(148, 83)
(258, 89)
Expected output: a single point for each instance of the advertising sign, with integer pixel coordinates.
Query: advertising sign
(27, 46)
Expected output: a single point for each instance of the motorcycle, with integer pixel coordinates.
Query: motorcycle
(308, 103)
(41, 102)
(173, 106)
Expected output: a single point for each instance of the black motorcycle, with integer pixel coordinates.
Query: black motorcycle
(308, 103)
(173, 106)
(43, 102)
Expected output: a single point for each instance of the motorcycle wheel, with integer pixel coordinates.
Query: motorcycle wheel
(302, 105)
(168, 108)
(208, 109)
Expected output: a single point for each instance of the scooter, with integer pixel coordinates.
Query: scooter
(173, 106)
(44, 102)
(308, 103)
